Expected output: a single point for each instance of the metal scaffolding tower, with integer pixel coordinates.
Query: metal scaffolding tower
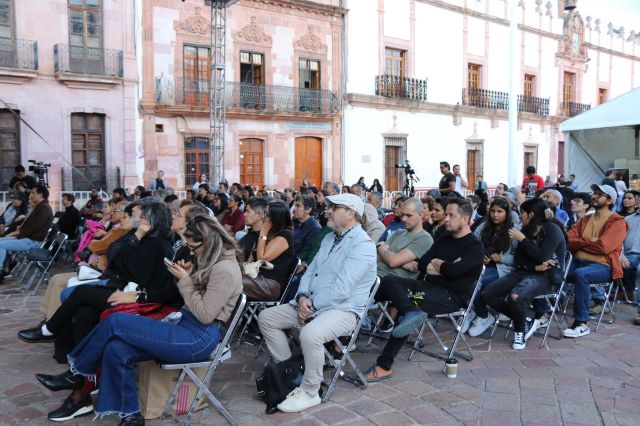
(217, 107)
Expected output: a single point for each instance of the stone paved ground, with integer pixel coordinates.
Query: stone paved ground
(594, 380)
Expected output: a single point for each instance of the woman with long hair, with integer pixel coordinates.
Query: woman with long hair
(498, 258)
(628, 204)
(220, 205)
(376, 186)
(539, 262)
(274, 245)
(210, 289)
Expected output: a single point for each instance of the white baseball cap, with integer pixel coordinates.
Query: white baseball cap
(350, 201)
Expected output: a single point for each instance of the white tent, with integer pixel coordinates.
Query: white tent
(603, 138)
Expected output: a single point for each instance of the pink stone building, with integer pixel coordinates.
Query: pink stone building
(68, 68)
(283, 86)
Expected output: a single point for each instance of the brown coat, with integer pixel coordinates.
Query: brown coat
(223, 289)
(38, 222)
(609, 243)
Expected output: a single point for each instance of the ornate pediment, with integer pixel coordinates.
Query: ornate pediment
(196, 24)
(572, 43)
(254, 33)
(310, 41)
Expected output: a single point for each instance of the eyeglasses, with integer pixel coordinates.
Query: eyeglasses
(196, 247)
(176, 213)
(334, 207)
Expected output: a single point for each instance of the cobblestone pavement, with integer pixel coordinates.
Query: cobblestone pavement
(593, 380)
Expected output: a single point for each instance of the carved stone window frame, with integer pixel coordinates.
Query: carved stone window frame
(310, 46)
(252, 38)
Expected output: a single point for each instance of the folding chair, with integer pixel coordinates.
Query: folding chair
(377, 330)
(254, 308)
(187, 370)
(339, 363)
(21, 257)
(42, 259)
(457, 319)
(612, 287)
(554, 300)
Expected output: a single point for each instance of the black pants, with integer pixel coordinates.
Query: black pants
(83, 307)
(436, 301)
(525, 285)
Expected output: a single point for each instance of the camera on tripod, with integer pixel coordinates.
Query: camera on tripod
(407, 168)
(40, 171)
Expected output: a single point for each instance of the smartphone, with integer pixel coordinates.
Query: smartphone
(168, 261)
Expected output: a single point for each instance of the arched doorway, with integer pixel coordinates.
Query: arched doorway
(308, 160)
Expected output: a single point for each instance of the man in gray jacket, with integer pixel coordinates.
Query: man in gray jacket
(332, 295)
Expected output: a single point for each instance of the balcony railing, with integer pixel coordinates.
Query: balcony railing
(16, 53)
(283, 99)
(88, 61)
(570, 109)
(393, 86)
(492, 99)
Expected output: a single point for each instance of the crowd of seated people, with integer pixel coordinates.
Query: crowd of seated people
(428, 251)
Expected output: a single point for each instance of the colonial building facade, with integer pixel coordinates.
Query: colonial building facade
(68, 69)
(282, 91)
(428, 81)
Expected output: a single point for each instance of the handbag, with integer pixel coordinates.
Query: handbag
(155, 311)
(252, 269)
(277, 380)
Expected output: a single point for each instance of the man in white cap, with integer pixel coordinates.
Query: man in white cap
(596, 243)
(332, 296)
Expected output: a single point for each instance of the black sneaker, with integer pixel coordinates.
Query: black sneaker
(69, 409)
(135, 419)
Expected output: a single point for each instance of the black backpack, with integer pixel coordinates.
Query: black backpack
(277, 380)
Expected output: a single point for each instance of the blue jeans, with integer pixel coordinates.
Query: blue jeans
(15, 244)
(479, 307)
(122, 340)
(582, 274)
(67, 291)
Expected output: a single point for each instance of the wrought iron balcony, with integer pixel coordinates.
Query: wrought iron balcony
(88, 61)
(492, 99)
(393, 86)
(571, 109)
(283, 99)
(17, 53)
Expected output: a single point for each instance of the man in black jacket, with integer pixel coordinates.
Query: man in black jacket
(450, 269)
(70, 218)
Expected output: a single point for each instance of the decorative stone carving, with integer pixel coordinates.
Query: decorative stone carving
(310, 41)
(254, 33)
(539, 7)
(572, 43)
(588, 19)
(549, 7)
(196, 24)
(597, 27)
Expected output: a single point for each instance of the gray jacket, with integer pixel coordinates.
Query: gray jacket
(506, 265)
(343, 279)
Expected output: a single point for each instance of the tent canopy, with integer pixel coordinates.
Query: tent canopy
(603, 138)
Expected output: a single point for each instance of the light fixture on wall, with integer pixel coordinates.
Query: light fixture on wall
(569, 5)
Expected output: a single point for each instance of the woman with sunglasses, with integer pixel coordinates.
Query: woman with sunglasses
(210, 293)
(274, 245)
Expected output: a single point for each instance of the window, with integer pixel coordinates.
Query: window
(394, 62)
(196, 72)
(9, 146)
(529, 85)
(602, 95)
(251, 68)
(251, 162)
(85, 23)
(196, 159)
(87, 151)
(473, 78)
(395, 152)
(6, 20)
(568, 90)
(530, 156)
(309, 74)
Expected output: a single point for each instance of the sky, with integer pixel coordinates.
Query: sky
(624, 13)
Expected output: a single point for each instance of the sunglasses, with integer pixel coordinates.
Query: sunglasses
(194, 247)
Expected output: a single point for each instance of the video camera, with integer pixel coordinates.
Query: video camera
(407, 168)
(40, 171)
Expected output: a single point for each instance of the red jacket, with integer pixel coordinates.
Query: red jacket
(609, 243)
(235, 220)
(537, 179)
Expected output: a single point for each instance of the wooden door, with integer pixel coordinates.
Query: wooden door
(252, 162)
(472, 168)
(391, 175)
(87, 151)
(308, 161)
(196, 159)
(9, 146)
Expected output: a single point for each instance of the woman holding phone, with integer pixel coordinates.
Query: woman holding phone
(210, 293)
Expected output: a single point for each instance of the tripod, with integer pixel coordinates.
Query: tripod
(408, 187)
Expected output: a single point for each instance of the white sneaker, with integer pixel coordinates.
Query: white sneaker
(533, 326)
(298, 400)
(577, 330)
(467, 321)
(518, 341)
(480, 325)
(503, 317)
